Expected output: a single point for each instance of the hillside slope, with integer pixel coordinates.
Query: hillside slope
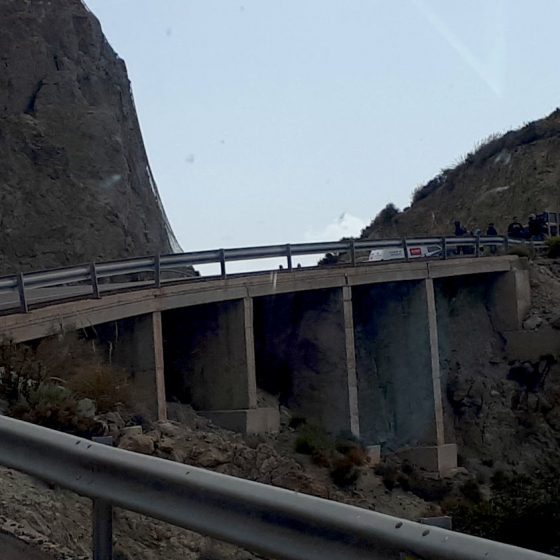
(511, 175)
(75, 183)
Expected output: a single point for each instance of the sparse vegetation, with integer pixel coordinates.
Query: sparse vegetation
(60, 383)
(553, 244)
(521, 251)
(342, 456)
(524, 511)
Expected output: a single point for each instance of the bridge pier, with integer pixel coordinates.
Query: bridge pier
(399, 385)
(210, 364)
(136, 345)
(305, 355)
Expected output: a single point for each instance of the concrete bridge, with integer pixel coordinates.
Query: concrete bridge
(353, 348)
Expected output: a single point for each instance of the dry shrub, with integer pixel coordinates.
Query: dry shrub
(344, 472)
(108, 387)
(521, 251)
(342, 456)
(553, 244)
(353, 450)
(44, 383)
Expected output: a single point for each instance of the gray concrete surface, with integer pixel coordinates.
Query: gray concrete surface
(112, 307)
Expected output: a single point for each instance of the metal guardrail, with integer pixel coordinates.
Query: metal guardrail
(94, 273)
(264, 519)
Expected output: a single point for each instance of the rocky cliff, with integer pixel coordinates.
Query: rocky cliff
(511, 175)
(75, 183)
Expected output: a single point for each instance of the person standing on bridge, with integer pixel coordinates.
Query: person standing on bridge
(516, 229)
(491, 230)
(459, 232)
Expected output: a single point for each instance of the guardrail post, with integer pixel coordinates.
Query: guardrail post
(223, 263)
(477, 245)
(405, 248)
(21, 290)
(157, 271)
(94, 282)
(444, 248)
(289, 256)
(102, 530)
(353, 251)
(506, 243)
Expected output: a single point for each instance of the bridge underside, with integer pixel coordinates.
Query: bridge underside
(358, 353)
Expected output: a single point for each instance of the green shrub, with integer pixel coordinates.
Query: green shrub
(329, 258)
(344, 472)
(471, 490)
(521, 251)
(553, 244)
(388, 474)
(523, 511)
(313, 440)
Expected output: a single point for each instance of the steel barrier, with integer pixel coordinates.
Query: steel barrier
(271, 521)
(93, 273)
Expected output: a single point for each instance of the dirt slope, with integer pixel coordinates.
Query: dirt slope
(511, 175)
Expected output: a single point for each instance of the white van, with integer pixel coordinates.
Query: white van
(414, 252)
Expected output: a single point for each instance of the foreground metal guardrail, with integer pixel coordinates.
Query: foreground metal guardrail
(263, 519)
(93, 273)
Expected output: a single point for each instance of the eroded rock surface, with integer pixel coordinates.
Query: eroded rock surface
(75, 183)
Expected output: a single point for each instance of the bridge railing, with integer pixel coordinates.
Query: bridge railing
(91, 280)
(264, 519)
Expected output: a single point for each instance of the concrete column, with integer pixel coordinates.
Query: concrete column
(159, 366)
(434, 354)
(351, 361)
(210, 355)
(305, 355)
(250, 352)
(137, 347)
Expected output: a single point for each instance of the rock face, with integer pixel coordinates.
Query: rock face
(511, 175)
(75, 183)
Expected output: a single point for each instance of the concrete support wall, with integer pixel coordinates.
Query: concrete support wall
(305, 357)
(510, 298)
(136, 346)
(209, 353)
(398, 372)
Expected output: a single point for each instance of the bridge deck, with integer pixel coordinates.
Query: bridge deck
(120, 301)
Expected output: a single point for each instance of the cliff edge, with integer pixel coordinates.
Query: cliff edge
(75, 182)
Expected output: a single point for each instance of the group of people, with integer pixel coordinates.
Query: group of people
(460, 231)
(535, 229)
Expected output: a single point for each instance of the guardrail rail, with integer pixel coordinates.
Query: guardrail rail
(90, 280)
(271, 521)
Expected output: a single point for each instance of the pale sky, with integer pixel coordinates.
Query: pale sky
(266, 120)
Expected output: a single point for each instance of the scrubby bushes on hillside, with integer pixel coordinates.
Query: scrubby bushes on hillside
(523, 511)
(60, 383)
(342, 456)
(553, 245)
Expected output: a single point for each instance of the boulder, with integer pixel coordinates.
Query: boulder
(532, 323)
(139, 443)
